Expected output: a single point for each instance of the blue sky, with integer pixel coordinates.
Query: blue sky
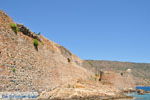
(117, 30)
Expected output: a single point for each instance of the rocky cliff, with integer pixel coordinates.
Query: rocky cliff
(139, 71)
(30, 62)
(24, 68)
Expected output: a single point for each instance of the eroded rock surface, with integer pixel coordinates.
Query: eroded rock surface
(53, 71)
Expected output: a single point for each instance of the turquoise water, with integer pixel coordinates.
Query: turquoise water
(141, 97)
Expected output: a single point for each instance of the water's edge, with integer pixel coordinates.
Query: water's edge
(144, 96)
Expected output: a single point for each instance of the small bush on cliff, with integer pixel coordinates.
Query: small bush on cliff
(35, 43)
(14, 27)
(14, 70)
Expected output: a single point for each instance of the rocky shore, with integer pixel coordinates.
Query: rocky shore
(52, 70)
(86, 90)
(94, 98)
(139, 91)
(88, 93)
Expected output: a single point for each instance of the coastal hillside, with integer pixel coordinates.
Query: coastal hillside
(140, 71)
(30, 62)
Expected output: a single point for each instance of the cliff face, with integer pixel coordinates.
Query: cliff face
(30, 62)
(139, 71)
(23, 68)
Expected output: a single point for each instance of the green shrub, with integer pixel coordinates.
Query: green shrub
(35, 42)
(14, 70)
(14, 27)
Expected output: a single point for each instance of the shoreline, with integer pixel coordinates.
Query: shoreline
(89, 95)
(66, 94)
(93, 98)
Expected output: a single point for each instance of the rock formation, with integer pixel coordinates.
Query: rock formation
(39, 70)
(138, 71)
(52, 70)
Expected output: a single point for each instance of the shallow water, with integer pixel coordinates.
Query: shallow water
(141, 97)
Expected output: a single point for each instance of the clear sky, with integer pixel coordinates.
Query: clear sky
(117, 30)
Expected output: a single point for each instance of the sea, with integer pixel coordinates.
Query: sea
(141, 97)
